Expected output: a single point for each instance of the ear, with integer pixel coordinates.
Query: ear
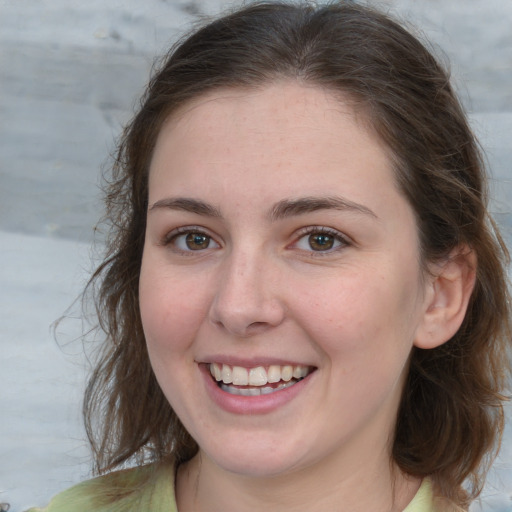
(447, 295)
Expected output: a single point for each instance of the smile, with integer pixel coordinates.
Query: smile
(257, 381)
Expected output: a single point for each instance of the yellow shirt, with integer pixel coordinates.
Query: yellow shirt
(151, 489)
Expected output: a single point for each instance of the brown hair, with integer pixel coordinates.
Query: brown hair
(451, 416)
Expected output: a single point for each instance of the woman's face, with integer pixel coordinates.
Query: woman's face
(280, 288)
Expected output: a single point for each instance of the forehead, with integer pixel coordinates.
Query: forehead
(291, 96)
(281, 125)
(243, 151)
(275, 104)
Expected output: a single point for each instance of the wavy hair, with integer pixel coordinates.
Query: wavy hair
(451, 415)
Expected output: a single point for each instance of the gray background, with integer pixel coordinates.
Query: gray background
(70, 75)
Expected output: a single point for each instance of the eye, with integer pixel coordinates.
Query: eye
(191, 240)
(321, 240)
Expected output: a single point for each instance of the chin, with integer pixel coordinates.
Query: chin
(261, 461)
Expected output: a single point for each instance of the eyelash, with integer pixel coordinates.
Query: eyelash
(342, 241)
(172, 237)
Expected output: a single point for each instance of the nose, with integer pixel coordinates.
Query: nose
(247, 301)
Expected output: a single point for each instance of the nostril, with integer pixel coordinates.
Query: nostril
(246, 318)
(256, 325)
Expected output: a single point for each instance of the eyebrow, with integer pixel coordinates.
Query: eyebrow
(281, 210)
(188, 205)
(301, 206)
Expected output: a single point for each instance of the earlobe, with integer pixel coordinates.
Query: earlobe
(446, 300)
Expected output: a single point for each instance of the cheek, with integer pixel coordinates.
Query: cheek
(364, 313)
(170, 311)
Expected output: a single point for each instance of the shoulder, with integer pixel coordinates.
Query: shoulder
(122, 491)
(425, 501)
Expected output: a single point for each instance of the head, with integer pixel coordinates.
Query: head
(449, 415)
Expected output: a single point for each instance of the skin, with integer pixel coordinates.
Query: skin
(257, 291)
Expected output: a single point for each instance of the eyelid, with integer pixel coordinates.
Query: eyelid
(171, 236)
(345, 241)
(338, 235)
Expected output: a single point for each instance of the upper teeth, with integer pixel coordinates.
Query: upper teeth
(258, 376)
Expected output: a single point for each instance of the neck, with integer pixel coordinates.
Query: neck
(202, 486)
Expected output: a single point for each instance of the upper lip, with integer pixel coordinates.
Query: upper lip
(252, 362)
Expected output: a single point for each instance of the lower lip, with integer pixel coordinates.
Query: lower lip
(261, 404)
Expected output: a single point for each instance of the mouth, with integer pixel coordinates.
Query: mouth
(260, 380)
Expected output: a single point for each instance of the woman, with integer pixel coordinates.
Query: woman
(304, 297)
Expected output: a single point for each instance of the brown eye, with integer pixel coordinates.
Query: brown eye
(188, 240)
(197, 241)
(321, 241)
